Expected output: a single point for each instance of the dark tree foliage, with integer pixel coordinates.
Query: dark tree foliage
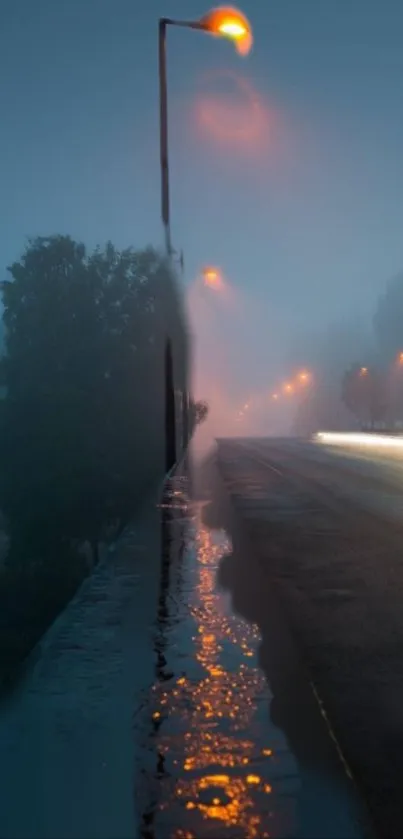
(363, 393)
(388, 320)
(83, 417)
(199, 412)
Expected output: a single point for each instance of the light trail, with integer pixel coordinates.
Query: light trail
(360, 439)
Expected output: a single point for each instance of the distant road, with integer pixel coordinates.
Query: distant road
(326, 525)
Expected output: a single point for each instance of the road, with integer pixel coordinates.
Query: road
(324, 527)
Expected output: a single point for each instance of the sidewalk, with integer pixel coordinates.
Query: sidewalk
(66, 739)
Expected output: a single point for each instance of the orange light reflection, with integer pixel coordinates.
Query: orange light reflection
(214, 712)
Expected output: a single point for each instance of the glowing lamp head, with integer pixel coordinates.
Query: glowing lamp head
(232, 29)
(364, 371)
(400, 358)
(228, 22)
(212, 277)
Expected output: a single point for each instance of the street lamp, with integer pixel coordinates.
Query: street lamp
(212, 277)
(224, 22)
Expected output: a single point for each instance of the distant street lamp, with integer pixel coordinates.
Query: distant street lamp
(212, 278)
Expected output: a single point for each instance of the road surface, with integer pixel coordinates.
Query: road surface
(324, 528)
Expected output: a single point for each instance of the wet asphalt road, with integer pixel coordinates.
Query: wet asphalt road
(325, 529)
(169, 701)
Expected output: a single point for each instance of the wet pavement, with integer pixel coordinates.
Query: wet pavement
(168, 701)
(324, 531)
(216, 760)
(67, 734)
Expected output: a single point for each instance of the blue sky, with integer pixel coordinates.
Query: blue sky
(304, 215)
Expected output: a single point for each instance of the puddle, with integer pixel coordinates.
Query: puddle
(221, 769)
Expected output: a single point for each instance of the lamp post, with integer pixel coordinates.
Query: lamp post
(225, 22)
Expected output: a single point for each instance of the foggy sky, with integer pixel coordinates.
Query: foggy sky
(303, 211)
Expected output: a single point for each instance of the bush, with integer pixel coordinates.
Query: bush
(82, 421)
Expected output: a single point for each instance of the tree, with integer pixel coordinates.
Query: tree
(83, 416)
(388, 325)
(363, 393)
(198, 413)
(388, 320)
(201, 411)
(327, 351)
(320, 409)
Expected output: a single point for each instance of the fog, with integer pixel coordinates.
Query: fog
(285, 174)
(244, 359)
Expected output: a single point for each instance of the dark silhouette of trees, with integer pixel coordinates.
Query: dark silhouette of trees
(388, 325)
(82, 417)
(82, 433)
(363, 393)
(198, 412)
(388, 320)
(321, 408)
(327, 352)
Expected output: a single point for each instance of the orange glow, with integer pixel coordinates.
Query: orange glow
(304, 377)
(211, 748)
(400, 358)
(227, 22)
(233, 113)
(288, 388)
(364, 371)
(212, 277)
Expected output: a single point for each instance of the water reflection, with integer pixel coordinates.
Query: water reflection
(326, 802)
(209, 708)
